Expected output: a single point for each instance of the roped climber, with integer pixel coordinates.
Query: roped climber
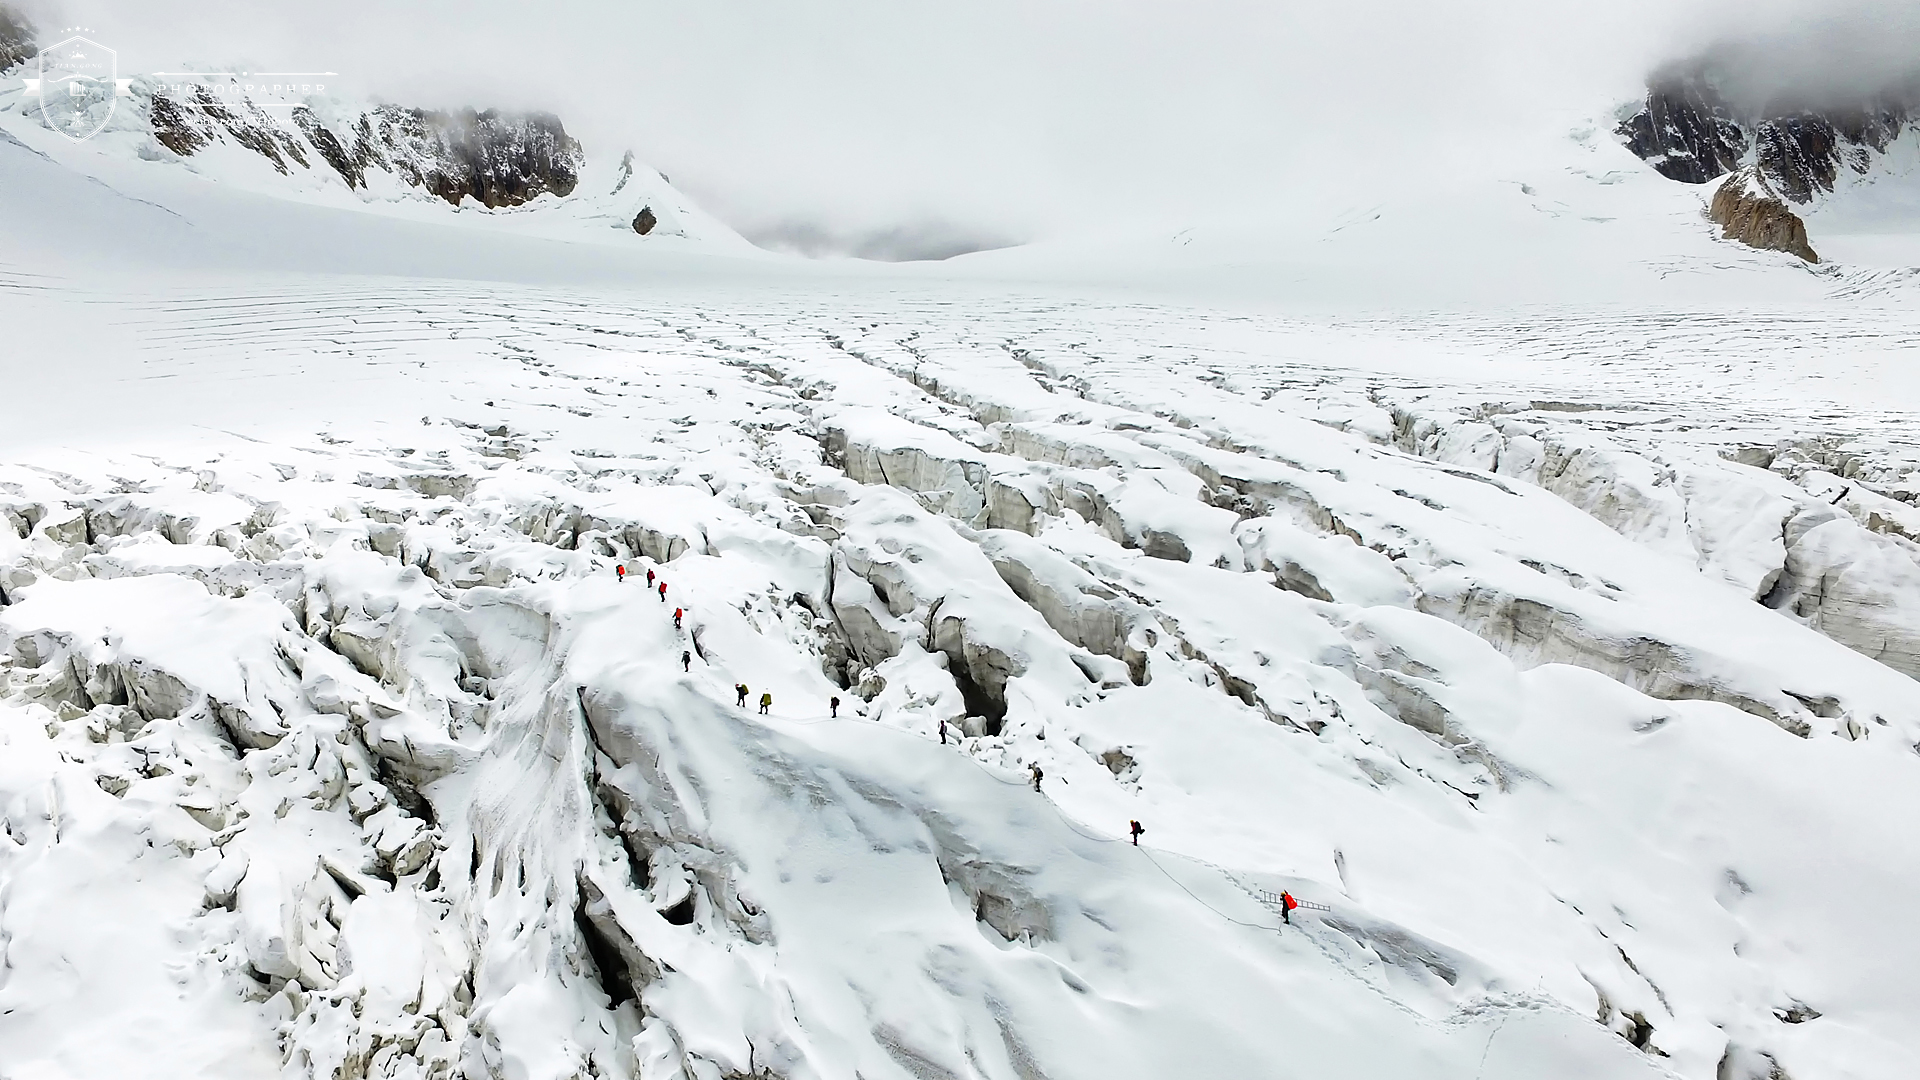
(740, 691)
(766, 702)
(620, 571)
(677, 612)
(1134, 829)
(663, 592)
(1037, 774)
(1287, 904)
(833, 707)
(649, 579)
(686, 660)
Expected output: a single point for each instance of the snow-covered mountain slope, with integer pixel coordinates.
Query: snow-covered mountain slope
(1558, 647)
(1843, 161)
(1571, 690)
(519, 173)
(1635, 204)
(1566, 214)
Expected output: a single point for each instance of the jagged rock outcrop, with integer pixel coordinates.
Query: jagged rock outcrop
(1685, 131)
(1801, 153)
(1689, 130)
(497, 159)
(193, 120)
(1781, 151)
(1747, 210)
(16, 38)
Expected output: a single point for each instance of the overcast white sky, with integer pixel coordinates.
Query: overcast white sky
(904, 124)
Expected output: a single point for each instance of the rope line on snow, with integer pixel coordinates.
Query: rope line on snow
(1075, 826)
(1203, 903)
(1262, 897)
(877, 726)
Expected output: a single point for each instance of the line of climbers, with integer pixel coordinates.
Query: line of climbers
(620, 574)
(1134, 829)
(686, 655)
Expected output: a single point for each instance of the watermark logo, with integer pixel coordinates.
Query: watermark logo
(77, 87)
(209, 90)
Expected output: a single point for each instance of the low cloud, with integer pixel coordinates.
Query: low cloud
(921, 242)
(890, 129)
(1780, 57)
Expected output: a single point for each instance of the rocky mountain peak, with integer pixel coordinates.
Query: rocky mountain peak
(1783, 148)
(1684, 129)
(1691, 130)
(16, 39)
(496, 158)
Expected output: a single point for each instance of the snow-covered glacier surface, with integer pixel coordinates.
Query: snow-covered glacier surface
(1562, 662)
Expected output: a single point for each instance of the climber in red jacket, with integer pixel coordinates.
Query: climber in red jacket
(676, 618)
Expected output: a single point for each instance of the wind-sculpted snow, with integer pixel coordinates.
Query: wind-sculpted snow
(333, 744)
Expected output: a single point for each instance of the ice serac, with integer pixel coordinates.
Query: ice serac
(1835, 554)
(342, 748)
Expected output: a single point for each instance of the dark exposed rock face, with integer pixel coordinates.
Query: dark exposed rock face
(1798, 154)
(497, 159)
(644, 221)
(1781, 154)
(1748, 211)
(1801, 153)
(351, 165)
(16, 38)
(1685, 131)
(193, 121)
(1689, 131)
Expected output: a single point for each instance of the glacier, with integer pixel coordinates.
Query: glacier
(1559, 655)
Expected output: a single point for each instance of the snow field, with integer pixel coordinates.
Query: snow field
(423, 791)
